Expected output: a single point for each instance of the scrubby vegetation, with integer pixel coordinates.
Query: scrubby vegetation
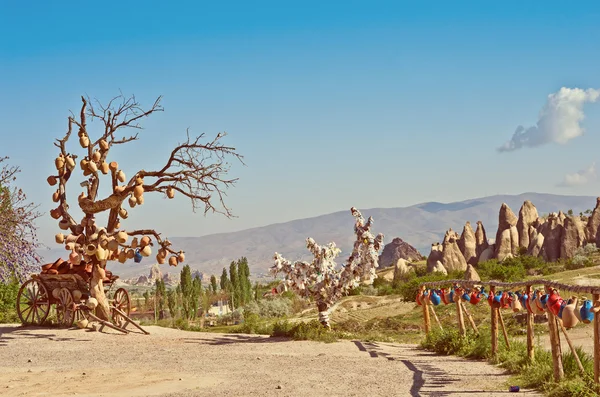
(536, 374)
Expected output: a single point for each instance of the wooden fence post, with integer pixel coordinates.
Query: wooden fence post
(494, 324)
(426, 319)
(461, 318)
(503, 329)
(596, 299)
(470, 318)
(555, 344)
(530, 323)
(437, 320)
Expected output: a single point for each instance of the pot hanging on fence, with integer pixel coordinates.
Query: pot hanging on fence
(516, 304)
(444, 295)
(497, 300)
(554, 302)
(543, 302)
(586, 313)
(137, 258)
(435, 298)
(417, 298)
(568, 315)
(475, 297)
(535, 304)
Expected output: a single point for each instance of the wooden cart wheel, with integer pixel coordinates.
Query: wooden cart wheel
(33, 303)
(122, 302)
(65, 308)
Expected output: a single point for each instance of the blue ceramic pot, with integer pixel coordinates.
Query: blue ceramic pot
(586, 313)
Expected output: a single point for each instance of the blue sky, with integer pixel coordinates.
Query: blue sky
(333, 104)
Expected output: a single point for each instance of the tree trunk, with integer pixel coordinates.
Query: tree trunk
(97, 291)
(323, 314)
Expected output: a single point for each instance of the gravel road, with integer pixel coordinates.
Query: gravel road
(173, 363)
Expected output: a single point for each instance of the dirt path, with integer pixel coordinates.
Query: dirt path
(54, 362)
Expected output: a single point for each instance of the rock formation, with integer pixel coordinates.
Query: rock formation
(527, 216)
(591, 230)
(507, 236)
(468, 244)
(452, 258)
(553, 238)
(439, 268)
(398, 249)
(434, 256)
(481, 240)
(471, 274)
(573, 236)
(401, 268)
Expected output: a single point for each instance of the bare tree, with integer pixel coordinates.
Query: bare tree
(321, 280)
(195, 169)
(18, 241)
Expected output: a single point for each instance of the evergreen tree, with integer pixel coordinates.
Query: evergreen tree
(224, 280)
(172, 302)
(161, 295)
(234, 290)
(195, 296)
(186, 285)
(213, 283)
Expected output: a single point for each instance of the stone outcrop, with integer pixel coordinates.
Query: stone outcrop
(481, 241)
(401, 268)
(573, 236)
(507, 236)
(439, 268)
(468, 244)
(471, 274)
(593, 225)
(552, 239)
(452, 258)
(527, 216)
(558, 236)
(398, 249)
(434, 256)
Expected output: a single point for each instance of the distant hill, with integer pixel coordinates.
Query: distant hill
(419, 225)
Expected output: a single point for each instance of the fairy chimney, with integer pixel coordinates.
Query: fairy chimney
(471, 274)
(481, 242)
(527, 216)
(507, 235)
(452, 258)
(434, 256)
(593, 224)
(468, 244)
(573, 236)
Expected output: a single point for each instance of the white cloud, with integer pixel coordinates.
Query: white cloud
(558, 122)
(581, 177)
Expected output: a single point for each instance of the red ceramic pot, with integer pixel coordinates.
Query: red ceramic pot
(554, 302)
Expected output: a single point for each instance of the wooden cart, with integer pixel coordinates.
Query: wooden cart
(68, 293)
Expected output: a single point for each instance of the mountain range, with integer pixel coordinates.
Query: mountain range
(419, 225)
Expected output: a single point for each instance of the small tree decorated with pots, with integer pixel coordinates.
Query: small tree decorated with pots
(194, 169)
(321, 280)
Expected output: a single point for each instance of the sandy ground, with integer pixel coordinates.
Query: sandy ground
(58, 362)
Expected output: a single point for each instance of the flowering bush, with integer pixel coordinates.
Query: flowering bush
(321, 280)
(18, 241)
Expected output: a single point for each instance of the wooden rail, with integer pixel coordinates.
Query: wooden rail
(554, 323)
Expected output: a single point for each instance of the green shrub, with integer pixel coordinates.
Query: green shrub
(269, 308)
(8, 302)
(509, 270)
(312, 330)
(253, 324)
